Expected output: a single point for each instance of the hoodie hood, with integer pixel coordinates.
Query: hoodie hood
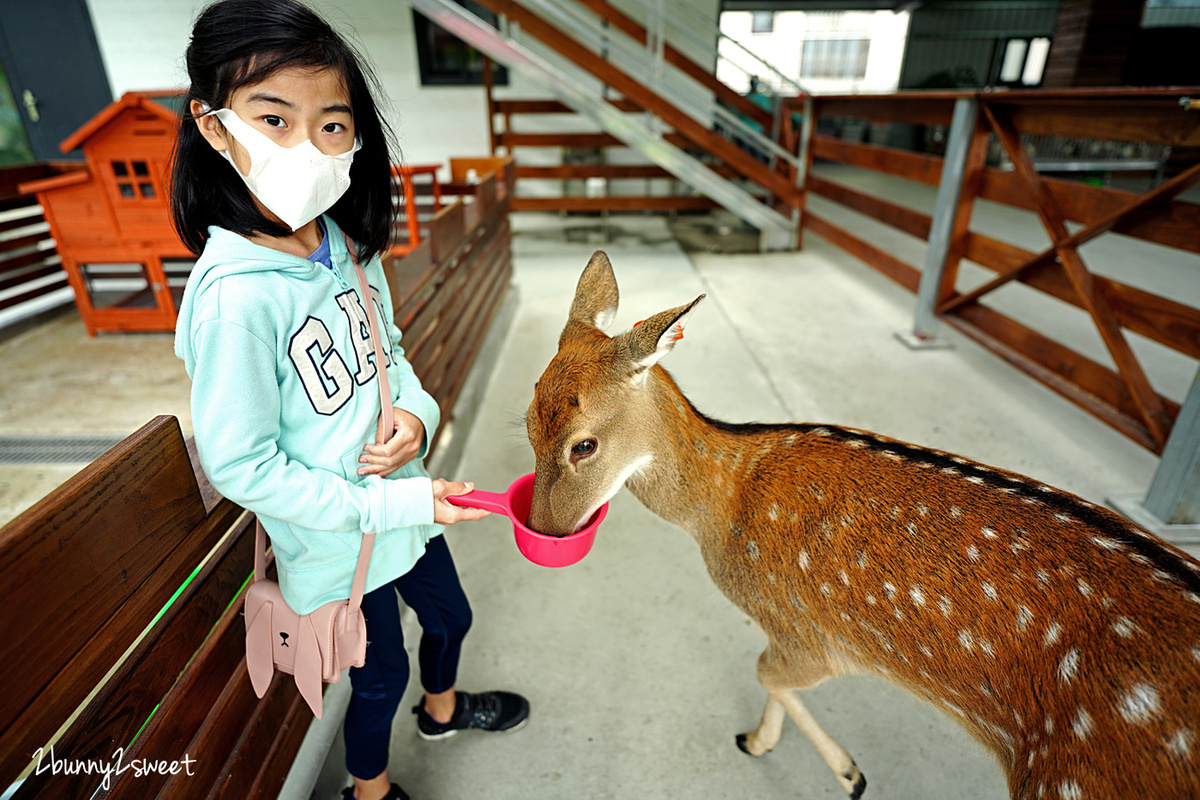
(227, 253)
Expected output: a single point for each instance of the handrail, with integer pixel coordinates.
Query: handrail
(690, 96)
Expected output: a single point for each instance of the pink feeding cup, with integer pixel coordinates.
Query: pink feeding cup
(548, 551)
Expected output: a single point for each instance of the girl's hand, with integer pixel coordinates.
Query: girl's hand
(384, 459)
(445, 513)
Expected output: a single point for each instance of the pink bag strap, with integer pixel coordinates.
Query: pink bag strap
(383, 433)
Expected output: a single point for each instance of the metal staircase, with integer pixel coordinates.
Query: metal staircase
(581, 57)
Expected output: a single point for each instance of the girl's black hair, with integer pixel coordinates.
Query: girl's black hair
(236, 43)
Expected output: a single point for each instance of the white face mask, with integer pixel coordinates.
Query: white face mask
(295, 183)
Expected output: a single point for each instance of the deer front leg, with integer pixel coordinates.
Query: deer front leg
(781, 680)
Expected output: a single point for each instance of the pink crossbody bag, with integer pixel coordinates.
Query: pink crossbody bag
(315, 647)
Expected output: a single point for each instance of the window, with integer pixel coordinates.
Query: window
(445, 60)
(1023, 62)
(834, 58)
(133, 180)
(762, 21)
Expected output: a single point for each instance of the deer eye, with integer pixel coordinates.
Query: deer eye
(583, 449)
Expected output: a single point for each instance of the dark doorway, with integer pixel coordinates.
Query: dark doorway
(58, 82)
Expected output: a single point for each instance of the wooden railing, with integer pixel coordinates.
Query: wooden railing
(447, 289)
(30, 267)
(1123, 397)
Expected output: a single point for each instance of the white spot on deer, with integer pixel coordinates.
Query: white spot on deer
(1018, 544)
(1084, 588)
(1139, 704)
(925, 651)
(967, 640)
(857, 444)
(1043, 577)
(898, 613)
(989, 533)
(891, 456)
(1070, 791)
(1139, 558)
(890, 590)
(845, 578)
(752, 549)
(1125, 627)
(987, 648)
(803, 560)
(862, 560)
(1068, 668)
(923, 509)
(945, 606)
(951, 471)
(826, 589)
(1106, 543)
(1192, 596)
(1052, 634)
(918, 597)
(871, 599)
(1082, 725)
(1181, 743)
(773, 513)
(911, 528)
(989, 591)
(1024, 617)
(1063, 518)
(1049, 728)
(845, 617)
(975, 479)
(973, 552)
(955, 512)
(847, 521)
(816, 492)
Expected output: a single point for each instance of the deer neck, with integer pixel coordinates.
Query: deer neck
(693, 467)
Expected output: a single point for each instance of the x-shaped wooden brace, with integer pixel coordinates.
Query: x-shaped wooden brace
(1065, 252)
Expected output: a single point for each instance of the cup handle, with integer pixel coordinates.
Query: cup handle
(488, 501)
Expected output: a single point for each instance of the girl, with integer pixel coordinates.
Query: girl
(281, 154)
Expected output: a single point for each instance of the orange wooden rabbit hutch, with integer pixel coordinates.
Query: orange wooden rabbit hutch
(112, 225)
(110, 219)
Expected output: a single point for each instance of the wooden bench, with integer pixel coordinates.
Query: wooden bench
(86, 571)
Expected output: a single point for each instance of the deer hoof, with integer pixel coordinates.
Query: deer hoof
(854, 782)
(743, 743)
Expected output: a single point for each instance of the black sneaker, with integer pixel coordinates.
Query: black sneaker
(487, 711)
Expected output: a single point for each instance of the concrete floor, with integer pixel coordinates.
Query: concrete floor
(639, 672)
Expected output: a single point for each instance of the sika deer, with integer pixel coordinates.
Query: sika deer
(1064, 638)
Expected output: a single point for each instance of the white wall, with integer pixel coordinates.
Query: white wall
(782, 48)
(142, 43)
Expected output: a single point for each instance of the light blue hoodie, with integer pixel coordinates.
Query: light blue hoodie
(284, 398)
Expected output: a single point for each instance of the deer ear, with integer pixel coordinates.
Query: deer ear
(596, 295)
(653, 338)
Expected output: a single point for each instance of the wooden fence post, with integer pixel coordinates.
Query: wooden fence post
(954, 166)
(1172, 505)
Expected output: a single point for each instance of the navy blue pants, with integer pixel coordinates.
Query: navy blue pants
(432, 590)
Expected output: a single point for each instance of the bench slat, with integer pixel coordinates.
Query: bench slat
(68, 566)
(114, 716)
